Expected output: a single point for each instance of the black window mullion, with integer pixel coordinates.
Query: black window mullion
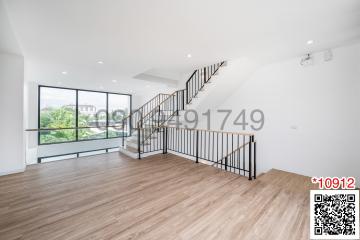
(77, 116)
(39, 132)
(107, 115)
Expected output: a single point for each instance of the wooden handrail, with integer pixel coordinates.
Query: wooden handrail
(205, 130)
(68, 128)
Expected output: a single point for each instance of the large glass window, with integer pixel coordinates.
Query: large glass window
(57, 110)
(94, 113)
(119, 106)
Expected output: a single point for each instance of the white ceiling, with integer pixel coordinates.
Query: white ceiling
(133, 36)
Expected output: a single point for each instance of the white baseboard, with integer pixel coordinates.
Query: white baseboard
(19, 170)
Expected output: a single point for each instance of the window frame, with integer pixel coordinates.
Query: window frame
(77, 113)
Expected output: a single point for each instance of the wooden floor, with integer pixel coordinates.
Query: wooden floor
(161, 197)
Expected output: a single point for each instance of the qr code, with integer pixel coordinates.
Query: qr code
(334, 214)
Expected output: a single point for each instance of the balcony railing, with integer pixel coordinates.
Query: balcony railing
(230, 151)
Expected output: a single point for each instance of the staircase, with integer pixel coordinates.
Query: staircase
(150, 129)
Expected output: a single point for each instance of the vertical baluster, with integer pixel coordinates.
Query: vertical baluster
(217, 148)
(201, 144)
(174, 139)
(222, 147)
(227, 144)
(232, 149)
(213, 146)
(164, 141)
(158, 121)
(199, 80)
(151, 144)
(192, 89)
(188, 141)
(226, 163)
(196, 82)
(139, 147)
(244, 155)
(209, 149)
(193, 142)
(238, 152)
(178, 140)
(204, 144)
(181, 140)
(123, 132)
(250, 162)
(197, 146)
(185, 141)
(207, 74)
(182, 99)
(254, 158)
(170, 138)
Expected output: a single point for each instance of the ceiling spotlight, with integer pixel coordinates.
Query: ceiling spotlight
(309, 42)
(100, 62)
(64, 72)
(114, 81)
(189, 55)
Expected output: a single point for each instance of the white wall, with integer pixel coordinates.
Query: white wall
(11, 120)
(11, 99)
(312, 114)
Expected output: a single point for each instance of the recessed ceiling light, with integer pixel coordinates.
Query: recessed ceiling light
(100, 62)
(114, 81)
(64, 72)
(189, 55)
(309, 42)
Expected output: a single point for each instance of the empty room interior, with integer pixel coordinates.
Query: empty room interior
(175, 119)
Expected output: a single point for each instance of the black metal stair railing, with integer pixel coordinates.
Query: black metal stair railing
(178, 100)
(167, 105)
(129, 123)
(198, 80)
(164, 110)
(229, 151)
(159, 116)
(147, 123)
